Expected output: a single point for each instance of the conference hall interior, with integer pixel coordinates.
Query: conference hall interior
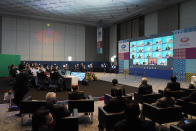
(97, 65)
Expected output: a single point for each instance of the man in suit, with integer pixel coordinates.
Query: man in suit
(76, 94)
(58, 111)
(116, 104)
(166, 100)
(173, 85)
(132, 122)
(145, 88)
(116, 85)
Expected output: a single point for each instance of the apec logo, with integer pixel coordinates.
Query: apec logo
(123, 46)
(184, 39)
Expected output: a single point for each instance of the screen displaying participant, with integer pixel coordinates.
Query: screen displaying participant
(157, 48)
(151, 51)
(167, 54)
(148, 55)
(152, 61)
(162, 62)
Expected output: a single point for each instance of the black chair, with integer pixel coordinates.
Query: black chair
(187, 107)
(175, 128)
(68, 123)
(67, 83)
(176, 94)
(83, 106)
(162, 115)
(108, 120)
(148, 98)
(29, 107)
(107, 97)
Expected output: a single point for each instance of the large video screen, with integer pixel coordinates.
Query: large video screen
(153, 51)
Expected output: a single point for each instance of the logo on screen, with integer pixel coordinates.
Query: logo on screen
(184, 39)
(123, 46)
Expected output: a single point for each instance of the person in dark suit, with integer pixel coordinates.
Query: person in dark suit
(132, 122)
(76, 94)
(166, 100)
(190, 98)
(115, 85)
(116, 104)
(58, 111)
(145, 88)
(20, 87)
(173, 85)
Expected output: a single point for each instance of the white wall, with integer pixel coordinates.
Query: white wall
(188, 14)
(113, 41)
(33, 40)
(151, 24)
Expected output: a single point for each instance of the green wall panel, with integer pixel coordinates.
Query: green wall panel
(5, 61)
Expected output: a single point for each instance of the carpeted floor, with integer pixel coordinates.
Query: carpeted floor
(94, 88)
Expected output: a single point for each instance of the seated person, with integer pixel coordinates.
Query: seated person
(187, 125)
(115, 85)
(116, 104)
(166, 100)
(58, 111)
(132, 122)
(145, 88)
(173, 85)
(76, 94)
(193, 83)
(42, 120)
(190, 98)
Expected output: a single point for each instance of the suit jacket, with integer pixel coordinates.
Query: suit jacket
(76, 95)
(115, 105)
(136, 125)
(165, 102)
(190, 98)
(145, 89)
(173, 86)
(58, 111)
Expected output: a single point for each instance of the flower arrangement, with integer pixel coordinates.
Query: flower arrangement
(90, 76)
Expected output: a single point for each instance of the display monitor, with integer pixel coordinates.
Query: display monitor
(155, 51)
(80, 75)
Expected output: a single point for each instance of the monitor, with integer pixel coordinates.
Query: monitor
(80, 75)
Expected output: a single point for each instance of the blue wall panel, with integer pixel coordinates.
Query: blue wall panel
(155, 73)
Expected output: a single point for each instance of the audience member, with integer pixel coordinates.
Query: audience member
(166, 100)
(190, 98)
(76, 94)
(192, 85)
(116, 104)
(115, 85)
(20, 87)
(144, 88)
(42, 120)
(173, 85)
(187, 124)
(132, 122)
(58, 111)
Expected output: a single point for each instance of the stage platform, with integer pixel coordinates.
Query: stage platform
(132, 80)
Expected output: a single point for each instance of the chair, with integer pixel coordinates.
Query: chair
(83, 106)
(68, 123)
(162, 115)
(107, 97)
(187, 107)
(175, 128)
(176, 94)
(108, 120)
(28, 107)
(148, 98)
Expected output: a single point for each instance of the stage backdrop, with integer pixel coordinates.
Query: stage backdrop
(185, 53)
